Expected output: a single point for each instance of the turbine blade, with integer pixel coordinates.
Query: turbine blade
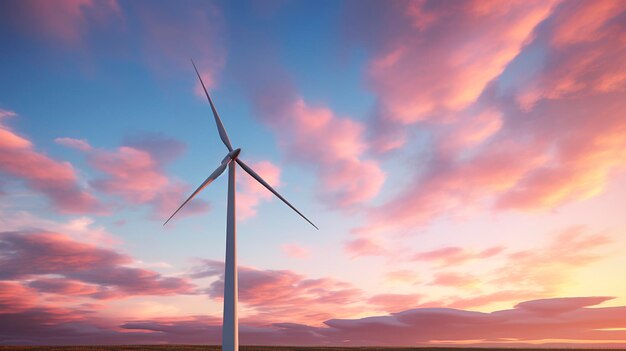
(264, 183)
(220, 127)
(208, 181)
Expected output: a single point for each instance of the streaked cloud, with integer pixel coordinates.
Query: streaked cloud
(432, 58)
(453, 255)
(137, 174)
(82, 269)
(543, 129)
(469, 157)
(314, 135)
(57, 180)
(546, 322)
(273, 296)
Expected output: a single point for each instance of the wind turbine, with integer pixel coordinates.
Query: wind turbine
(230, 326)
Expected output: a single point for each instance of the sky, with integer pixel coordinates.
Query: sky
(464, 161)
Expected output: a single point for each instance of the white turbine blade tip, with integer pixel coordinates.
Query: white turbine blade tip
(216, 173)
(218, 121)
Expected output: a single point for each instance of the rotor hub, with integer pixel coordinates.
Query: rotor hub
(232, 155)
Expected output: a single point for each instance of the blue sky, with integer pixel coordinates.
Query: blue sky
(455, 155)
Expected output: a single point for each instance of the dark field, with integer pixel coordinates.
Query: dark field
(262, 348)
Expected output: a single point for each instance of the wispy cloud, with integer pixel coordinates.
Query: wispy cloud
(83, 269)
(534, 127)
(136, 173)
(546, 322)
(67, 23)
(283, 295)
(55, 179)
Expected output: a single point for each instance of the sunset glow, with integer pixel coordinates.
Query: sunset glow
(464, 160)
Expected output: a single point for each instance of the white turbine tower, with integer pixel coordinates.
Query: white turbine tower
(230, 327)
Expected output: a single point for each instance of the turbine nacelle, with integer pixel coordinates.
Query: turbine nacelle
(231, 155)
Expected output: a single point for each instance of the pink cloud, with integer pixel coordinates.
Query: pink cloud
(82, 229)
(166, 35)
(516, 325)
(561, 322)
(567, 74)
(573, 92)
(65, 287)
(315, 135)
(311, 133)
(584, 158)
(296, 251)
(454, 279)
(467, 132)
(135, 172)
(84, 269)
(283, 295)
(394, 302)
(561, 143)
(436, 326)
(431, 58)
(364, 247)
(571, 28)
(447, 186)
(66, 22)
(15, 297)
(454, 255)
(335, 145)
(56, 180)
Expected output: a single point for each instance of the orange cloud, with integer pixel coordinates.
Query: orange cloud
(547, 268)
